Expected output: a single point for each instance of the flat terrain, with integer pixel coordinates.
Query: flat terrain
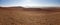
(20, 16)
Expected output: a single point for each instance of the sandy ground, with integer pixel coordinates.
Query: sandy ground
(18, 17)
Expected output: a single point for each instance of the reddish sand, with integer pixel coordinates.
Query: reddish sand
(21, 16)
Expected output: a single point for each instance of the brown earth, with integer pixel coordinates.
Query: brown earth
(35, 16)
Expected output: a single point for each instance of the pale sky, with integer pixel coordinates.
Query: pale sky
(30, 3)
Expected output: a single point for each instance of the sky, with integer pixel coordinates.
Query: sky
(30, 3)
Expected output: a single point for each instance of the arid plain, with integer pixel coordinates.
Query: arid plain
(29, 16)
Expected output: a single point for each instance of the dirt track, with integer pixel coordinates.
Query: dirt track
(18, 17)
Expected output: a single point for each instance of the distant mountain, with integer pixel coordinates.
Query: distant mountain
(34, 9)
